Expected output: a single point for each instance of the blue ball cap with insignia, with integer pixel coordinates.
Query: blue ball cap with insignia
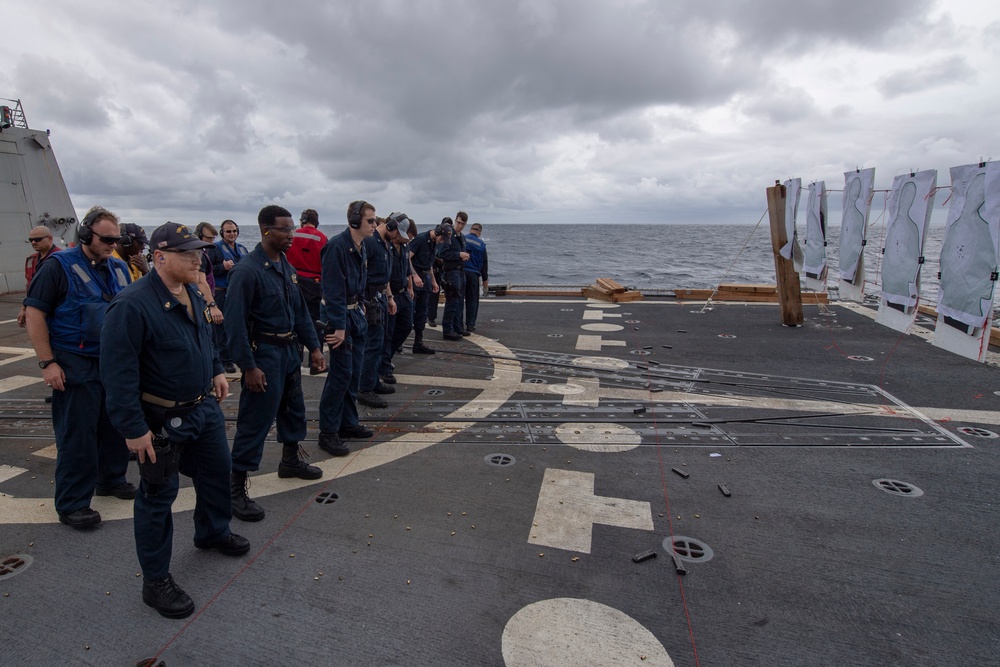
(175, 236)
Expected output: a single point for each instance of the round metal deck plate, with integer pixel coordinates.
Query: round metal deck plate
(11, 566)
(500, 459)
(897, 488)
(327, 498)
(978, 432)
(688, 549)
(858, 357)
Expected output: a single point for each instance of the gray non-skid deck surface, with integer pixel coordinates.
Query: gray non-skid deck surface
(813, 564)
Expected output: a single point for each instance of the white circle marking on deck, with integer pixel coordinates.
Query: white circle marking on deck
(568, 389)
(493, 394)
(570, 631)
(598, 437)
(600, 326)
(600, 362)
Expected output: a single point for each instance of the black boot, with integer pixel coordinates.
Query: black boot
(244, 509)
(418, 344)
(293, 463)
(167, 598)
(333, 445)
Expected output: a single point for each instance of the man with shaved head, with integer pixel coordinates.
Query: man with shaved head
(41, 242)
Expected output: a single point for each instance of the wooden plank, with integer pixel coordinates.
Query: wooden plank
(594, 293)
(927, 310)
(995, 336)
(789, 291)
(620, 297)
(761, 289)
(749, 297)
(610, 285)
(695, 294)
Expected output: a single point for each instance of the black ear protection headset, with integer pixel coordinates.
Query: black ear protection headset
(356, 213)
(85, 232)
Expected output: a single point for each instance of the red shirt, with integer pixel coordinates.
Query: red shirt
(32, 263)
(306, 252)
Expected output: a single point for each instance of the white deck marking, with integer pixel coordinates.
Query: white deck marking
(567, 510)
(17, 381)
(10, 472)
(17, 354)
(571, 631)
(578, 391)
(594, 303)
(601, 326)
(598, 315)
(494, 394)
(49, 452)
(594, 343)
(600, 362)
(598, 437)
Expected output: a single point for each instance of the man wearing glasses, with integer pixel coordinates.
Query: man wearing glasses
(66, 304)
(266, 320)
(41, 242)
(158, 329)
(230, 253)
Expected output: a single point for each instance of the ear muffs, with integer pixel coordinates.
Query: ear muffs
(354, 214)
(85, 232)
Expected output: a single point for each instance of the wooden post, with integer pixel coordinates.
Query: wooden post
(789, 291)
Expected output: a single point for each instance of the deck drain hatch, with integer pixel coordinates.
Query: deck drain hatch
(688, 548)
(727, 336)
(500, 459)
(434, 392)
(897, 488)
(14, 565)
(858, 357)
(535, 381)
(978, 432)
(555, 335)
(327, 497)
(641, 353)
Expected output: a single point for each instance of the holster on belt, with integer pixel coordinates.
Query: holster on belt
(167, 460)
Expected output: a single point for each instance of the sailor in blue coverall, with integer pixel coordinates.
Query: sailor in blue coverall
(163, 376)
(380, 305)
(398, 326)
(64, 313)
(344, 275)
(266, 319)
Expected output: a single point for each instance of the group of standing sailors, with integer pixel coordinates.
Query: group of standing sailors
(155, 340)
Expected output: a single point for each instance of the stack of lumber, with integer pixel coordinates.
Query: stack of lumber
(607, 289)
(756, 293)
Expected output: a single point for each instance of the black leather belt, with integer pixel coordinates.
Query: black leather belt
(286, 338)
(167, 403)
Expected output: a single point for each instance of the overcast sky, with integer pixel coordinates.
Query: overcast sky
(534, 111)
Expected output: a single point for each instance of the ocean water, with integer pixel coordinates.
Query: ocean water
(657, 257)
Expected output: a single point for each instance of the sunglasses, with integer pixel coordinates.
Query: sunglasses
(231, 231)
(109, 240)
(36, 239)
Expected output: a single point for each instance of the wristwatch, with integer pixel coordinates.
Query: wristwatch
(45, 363)
(212, 305)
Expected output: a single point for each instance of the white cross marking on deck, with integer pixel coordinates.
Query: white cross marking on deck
(585, 392)
(598, 315)
(594, 343)
(568, 509)
(19, 354)
(49, 452)
(16, 381)
(9, 472)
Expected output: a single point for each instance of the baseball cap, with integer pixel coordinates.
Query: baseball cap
(175, 236)
(137, 233)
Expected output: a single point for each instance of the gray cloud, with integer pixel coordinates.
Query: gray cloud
(537, 109)
(947, 71)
